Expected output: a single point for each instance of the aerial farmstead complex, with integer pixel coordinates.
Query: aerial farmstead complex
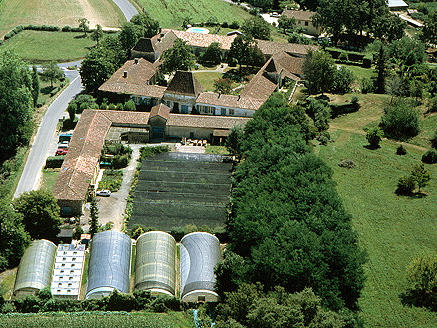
(61, 268)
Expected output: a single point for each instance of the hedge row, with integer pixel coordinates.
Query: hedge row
(48, 28)
(350, 58)
(54, 162)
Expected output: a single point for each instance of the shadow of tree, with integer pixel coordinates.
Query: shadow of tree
(419, 299)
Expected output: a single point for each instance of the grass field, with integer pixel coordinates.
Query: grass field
(392, 229)
(48, 178)
(39, 46)
(206, 79)
(96, 320)
(60, 12)
(171, 13)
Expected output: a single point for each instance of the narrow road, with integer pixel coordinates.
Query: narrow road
(39, 148)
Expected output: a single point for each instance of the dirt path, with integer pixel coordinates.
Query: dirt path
(89, 12)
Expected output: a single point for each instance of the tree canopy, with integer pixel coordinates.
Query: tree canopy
(319, 71)
(287, 224)
(257, 28)
(51, 72)
(179, 57)
(16, 104)
(40, 212)
(150, 27)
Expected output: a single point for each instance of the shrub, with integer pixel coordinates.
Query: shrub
(347, 163)
(53, 162)
(78, 231)
(120, 162)
(400, 121)
(433, 105)
(83, 106)
(367, 85)
(401, 150)
(234, 25)
(367, 63)
(130, 105)
(430, 157)
(406, 185)
(225, 25)
(112, 107)
(343, 57)
(343, 79)
(434, 140)
(374, 137)
(66, 28)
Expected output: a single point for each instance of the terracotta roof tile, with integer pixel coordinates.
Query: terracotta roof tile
(206, 121)
(270, 48)
(184, 83)
(260, 87)
(216, 99)
(299, 14)
(160, 110)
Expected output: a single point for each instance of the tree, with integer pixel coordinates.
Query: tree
(244, 51)
(330, 17)
(96, 68)
(149, 26)
(319, 71)
(420, 175)
(406, 185)
(223, 86)
(429, 30)
(342, 82)
(51, 72)
(381, 69)
(422, 274)
(40, 212)
(400, 121)
(35, 85)
(179, 57)
(233, 142)
(433, 140)
(84, 25)
(257, 28)
(394, 86)
(13, 238)
(387, 27)
(72, 109)
(286, 23)
(16, 104)
(78, 231)
(130, 34)
(374, 137)
(97, 34)
(213, 54)
(94, 217)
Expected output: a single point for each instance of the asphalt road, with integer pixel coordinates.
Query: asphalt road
(127, 8)
(39, 149)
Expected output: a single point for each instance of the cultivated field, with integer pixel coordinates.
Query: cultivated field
(58, 12)
(173, 192)
(98, 320)
(171, 13)
(392, 229)
(39, 47)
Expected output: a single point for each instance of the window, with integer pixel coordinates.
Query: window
(223, 111)
(71, 271)
(60, 284)
(64, 258)
(73, 265)
(306, 23)
(74, 253)
(70, 284)
(62, 271)
(65, 253)
(201, 299)
(74, 259)
(58, 290)
(63, 264)
(231, 112)
(70, 278)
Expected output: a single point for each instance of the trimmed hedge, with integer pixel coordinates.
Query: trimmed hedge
(54, 162)
(346, 108)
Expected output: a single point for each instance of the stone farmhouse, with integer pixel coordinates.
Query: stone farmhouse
(184, 94)
(304, 19)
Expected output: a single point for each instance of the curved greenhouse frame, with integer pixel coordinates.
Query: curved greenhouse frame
(109, 265)
(155, 263)
(36, 268)
(200, 253)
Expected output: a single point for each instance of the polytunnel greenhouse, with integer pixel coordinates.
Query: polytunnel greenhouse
(155, 264)
(200, 253)
(36, 268)
(109, 265)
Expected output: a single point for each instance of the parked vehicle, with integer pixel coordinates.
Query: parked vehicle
(63, 146)
(61, 151)
(274, 14)
(103, 193)
(65, 137)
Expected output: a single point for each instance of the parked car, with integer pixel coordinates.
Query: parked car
(63, 146)
(274, 14)
(103, 193)
(61, 151)
(65, 137)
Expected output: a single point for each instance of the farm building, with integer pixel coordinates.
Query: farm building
(67, 274)
(155, 263)
(304, 20)
(200, 253)
(109, 265)
(35, 269)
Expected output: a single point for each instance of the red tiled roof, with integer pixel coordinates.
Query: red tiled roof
(299, 14)
(270, 48)
(184, 83)
(260, 87)
(206, 121)
(160, 110)
(216, 99)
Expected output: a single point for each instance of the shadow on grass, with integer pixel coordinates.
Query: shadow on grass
(419, 299)
(48, 89)
(372, 147)
(82, 36)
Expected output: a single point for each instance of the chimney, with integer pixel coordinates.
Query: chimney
(219, 95)
(162, 35)
(239, 97)
(136, 60)
(125, 74)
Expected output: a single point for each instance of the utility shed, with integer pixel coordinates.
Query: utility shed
(35, 269)
(155, 264)
(200, 253)
(109, 265)
(67, 275)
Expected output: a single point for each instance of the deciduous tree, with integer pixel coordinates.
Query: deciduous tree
(213, 54)
(149, 26)
(420, 175)
(180, 57)
(422, 274)
(84, 25)
(51, 72)
(429, 30)
(223, 86)
(319, 71)
(40, 212)
(94, 217)
(97, 34)
(35, 85)
(257, 27)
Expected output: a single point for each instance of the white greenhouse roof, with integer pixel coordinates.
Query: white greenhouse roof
(396, 4)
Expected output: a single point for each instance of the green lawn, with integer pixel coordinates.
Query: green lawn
(219, 150)
(392, 229)
(48, 178)
(99, 320)
(7, 281)
(360, 72)
(60, 13)
(206, 79)
(39, 47)
(171, 13)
